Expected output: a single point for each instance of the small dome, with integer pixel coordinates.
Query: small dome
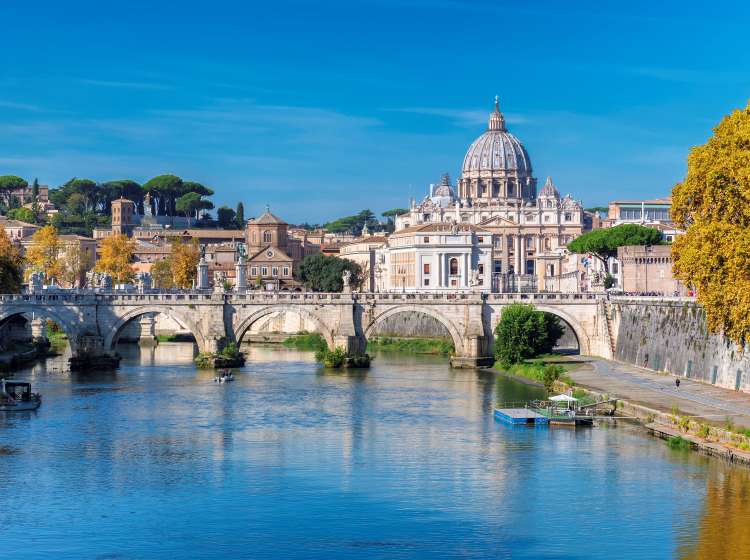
(497, 149)
(442, 195)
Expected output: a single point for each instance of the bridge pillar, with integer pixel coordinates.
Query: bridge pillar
(37, 328)
(89, 353)
(476, 346)
(477, 352)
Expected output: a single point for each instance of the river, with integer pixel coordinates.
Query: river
(403, 460)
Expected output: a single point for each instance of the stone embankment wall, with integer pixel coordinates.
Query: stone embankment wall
(671, 336)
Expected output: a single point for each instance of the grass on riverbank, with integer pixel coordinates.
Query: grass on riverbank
(533, 369)
(439, 346)
(305, 341)
(175, 338)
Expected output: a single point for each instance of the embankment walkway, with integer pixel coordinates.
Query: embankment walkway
(708, 403)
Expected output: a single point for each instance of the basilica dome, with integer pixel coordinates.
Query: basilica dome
(496, 151)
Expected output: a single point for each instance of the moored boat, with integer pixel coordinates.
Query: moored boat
(17, 397)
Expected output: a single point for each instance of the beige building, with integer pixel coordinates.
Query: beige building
(497, 192)
(17, 230)
(364, 252)
(647, 270)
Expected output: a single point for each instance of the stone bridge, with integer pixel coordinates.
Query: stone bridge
(95, 321)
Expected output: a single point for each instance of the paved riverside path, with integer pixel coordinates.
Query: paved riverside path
(658, 391)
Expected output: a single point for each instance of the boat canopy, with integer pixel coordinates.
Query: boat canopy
(563, 398)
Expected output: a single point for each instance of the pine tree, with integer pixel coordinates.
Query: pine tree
(240, 216)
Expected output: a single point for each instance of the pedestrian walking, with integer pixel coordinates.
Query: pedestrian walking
(677, 382)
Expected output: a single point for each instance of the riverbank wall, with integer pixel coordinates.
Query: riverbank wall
(670, 335)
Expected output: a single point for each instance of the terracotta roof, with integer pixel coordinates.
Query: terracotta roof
(7, 222)
(268, 218)
(440, 228)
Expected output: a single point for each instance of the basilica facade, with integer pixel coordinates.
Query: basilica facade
(496, 196)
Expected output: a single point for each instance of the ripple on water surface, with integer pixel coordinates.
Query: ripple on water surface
(403, 460)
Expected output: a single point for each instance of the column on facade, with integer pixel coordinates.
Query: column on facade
(524, 243)
(519, 251)
(467, 270)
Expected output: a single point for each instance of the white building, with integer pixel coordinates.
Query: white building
(435, 257)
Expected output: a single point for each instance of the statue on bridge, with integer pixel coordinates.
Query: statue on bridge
(346, 279)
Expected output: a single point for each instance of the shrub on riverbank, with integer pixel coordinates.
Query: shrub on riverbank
(229, 356)
(538, 371)
(524, 332)
(412, 345)
(338, 358)
(678, 442)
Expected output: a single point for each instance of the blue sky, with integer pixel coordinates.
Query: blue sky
(321, 109)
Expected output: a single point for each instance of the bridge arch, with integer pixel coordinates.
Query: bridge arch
(240, 328)
(67, 325)
(584, 343)
(458, 342)
(111, 337)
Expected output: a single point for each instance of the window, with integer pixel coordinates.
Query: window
(497, 266)
(546, 218)
(426, 268)
(480, 269)
(453, 266)
(480, 239)
(286, 271)
(275, 271)
(426, 239)
(426, 281)
(568, 216)
(267, 237)
(264, 271)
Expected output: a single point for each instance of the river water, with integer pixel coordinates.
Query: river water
(403, 460)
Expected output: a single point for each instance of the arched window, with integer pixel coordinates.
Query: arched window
(267, 237)
(453, 266)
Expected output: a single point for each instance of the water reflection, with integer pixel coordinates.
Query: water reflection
(723, 529)
(295, 461)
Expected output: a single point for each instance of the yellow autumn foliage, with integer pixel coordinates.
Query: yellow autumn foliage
(713, 205)
(44, 254)
(116, 257)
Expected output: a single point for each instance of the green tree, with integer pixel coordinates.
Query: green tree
(239, 216)
(35, 190)
(9, 184)
(191, 204)
(712, 205)
(323, 273)
(125, 188)
(226, 218)
(603, 243)
(22, 215)
(525, 332)
(390, 216)
(353, 224)
(166, 189)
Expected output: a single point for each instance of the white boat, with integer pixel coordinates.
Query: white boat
(225, 377)
(17, 397)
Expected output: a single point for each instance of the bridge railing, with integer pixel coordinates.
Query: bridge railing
(548, 297)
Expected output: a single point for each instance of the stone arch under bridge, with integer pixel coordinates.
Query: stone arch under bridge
(242, 322)
(122, 319)
(568, 317)
(66, 318)
(450, 326)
